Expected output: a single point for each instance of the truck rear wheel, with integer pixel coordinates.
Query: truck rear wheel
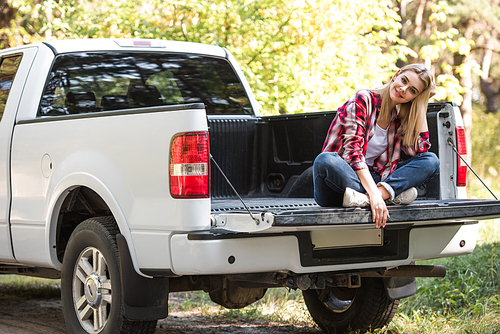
(91, 284)
(337, 310)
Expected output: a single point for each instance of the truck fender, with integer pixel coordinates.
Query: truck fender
(143, 298)
(59, 193)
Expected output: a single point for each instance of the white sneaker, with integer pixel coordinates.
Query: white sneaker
(406, 197)
(354, 199)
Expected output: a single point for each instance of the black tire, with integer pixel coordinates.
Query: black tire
(337, 310)
(91, 289)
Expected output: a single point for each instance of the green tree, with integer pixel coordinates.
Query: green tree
(461, 39)
(481, 21)
(444, 44)
(299, 56)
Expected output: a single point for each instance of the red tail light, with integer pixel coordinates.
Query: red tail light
(190, 165)
(462, 150)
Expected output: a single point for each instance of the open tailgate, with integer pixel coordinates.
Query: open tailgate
(304, 212)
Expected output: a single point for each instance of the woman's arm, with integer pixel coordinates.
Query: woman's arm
(376, 196)
(422, 127)
(356, 113)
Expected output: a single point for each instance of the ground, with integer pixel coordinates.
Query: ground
(43, 315)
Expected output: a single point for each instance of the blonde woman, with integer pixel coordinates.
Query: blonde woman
(360, 162)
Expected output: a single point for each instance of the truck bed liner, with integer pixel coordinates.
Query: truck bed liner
(295, 212)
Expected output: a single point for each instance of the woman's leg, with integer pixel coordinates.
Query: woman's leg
(412, 173)
(331, 175)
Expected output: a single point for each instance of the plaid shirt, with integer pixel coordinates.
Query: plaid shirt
(354, 126)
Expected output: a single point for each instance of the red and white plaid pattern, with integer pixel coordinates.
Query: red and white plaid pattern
(353, 127)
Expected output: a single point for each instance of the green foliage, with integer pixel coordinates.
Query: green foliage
(467, 300)
(486, 154)
(436, 324)
(280, 305)
(468, 288)
(438, 46)
(298, 56)
(21, 287)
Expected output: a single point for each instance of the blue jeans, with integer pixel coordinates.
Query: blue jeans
(332, 175)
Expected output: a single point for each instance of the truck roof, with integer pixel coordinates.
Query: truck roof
(151, 45)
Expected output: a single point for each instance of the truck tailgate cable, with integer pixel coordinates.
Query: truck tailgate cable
(257, 221)
(450, 142)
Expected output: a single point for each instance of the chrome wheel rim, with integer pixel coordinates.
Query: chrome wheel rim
(337, 305)
(92, 290)
(333, 303)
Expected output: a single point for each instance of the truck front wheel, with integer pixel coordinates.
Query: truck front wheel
(337, 310)
(90, 284)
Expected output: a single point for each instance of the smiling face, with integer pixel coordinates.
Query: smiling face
(406, 86)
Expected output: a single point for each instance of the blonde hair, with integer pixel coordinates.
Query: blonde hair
(412, 112)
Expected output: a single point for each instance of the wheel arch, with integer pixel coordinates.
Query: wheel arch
(78, 197)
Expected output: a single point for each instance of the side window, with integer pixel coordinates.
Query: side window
(8, 69)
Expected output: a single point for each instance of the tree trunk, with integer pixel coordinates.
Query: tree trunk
(466, 83)
(419, 16)
(490, 94)
(402, 32)
(7, 14)
(486, 81)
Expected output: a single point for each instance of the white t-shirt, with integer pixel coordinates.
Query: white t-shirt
(377, 145)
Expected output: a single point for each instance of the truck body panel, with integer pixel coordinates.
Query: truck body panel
(97, 150)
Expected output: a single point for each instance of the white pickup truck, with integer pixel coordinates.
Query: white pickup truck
(106, 181)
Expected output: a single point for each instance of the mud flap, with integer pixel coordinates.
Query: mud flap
(143, 298)
(400, 287)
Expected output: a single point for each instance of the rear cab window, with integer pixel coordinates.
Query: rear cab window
(91, 82)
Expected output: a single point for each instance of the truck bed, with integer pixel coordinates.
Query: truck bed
(269, 160)
(271, 157)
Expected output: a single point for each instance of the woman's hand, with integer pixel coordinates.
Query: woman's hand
(379, 209)
(377, 203)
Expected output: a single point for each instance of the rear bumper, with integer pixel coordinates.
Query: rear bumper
(209, 254)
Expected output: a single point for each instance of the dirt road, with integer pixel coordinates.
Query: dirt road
(19, 315)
